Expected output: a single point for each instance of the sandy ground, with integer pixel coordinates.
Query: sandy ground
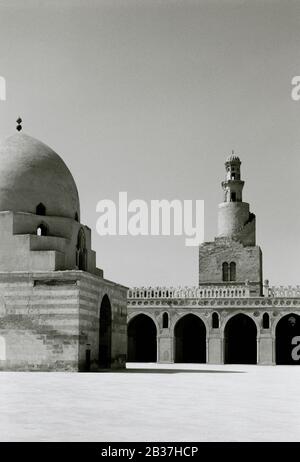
(157, 403)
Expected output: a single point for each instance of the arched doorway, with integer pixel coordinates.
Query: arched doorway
(287, 343)
(40, 209)
(142, 342)
(42, 230)
(105, 333)
(240, 340)
(190, 340)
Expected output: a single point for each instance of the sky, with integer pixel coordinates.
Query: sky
(150, 97)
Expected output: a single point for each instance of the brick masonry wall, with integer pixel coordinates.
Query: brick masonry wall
(42, 316)
(91, 296)
(39, 321)
(248, 262)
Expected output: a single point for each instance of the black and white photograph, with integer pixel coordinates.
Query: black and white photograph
(149, 224)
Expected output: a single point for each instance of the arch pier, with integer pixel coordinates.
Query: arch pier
(221, 325)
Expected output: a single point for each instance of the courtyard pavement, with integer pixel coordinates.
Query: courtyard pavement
(150, 402)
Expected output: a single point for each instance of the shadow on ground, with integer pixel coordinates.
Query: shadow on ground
(168, 371)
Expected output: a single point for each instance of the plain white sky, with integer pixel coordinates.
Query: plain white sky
(150, 97)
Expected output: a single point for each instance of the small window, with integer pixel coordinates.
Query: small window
(165, 321)
(233, 197)
(266, 321)
(215, 321)
(233, 176)
(225, 272)
(41, 209)
(42, 230)
(76, 217)
(232, 271)
(81, 253)
(81, 243)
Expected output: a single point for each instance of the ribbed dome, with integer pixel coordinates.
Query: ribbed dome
(32, 173)
(233, 158)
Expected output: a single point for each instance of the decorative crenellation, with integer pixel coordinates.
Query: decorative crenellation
(189, 292)
(218, 297)
(283, 291)
(232, 291)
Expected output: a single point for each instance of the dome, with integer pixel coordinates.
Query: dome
(31, 173)
(233, 158)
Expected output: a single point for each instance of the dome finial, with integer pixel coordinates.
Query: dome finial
(232, 158)
(19, 126)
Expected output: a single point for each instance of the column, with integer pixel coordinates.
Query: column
(165, 348)
(215, 347)
(265, 348)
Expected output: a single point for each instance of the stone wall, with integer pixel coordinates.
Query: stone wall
(21, 248)
(42, 317)
(248, 262)
(231, 217)
(91, 296)
(39, 321)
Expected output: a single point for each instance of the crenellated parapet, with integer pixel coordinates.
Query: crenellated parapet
(231, 291)
(225, 297)
(281, 291)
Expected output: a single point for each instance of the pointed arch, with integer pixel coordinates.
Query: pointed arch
(142, 339)
(165, 320)
(232, 271)
(225, 272)
(240, 336)
(215, 321)
(266, 321)
(81, 241)
(42, 230)
(190, 339)
(40, 209)
(287, 335)
(81, 254)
